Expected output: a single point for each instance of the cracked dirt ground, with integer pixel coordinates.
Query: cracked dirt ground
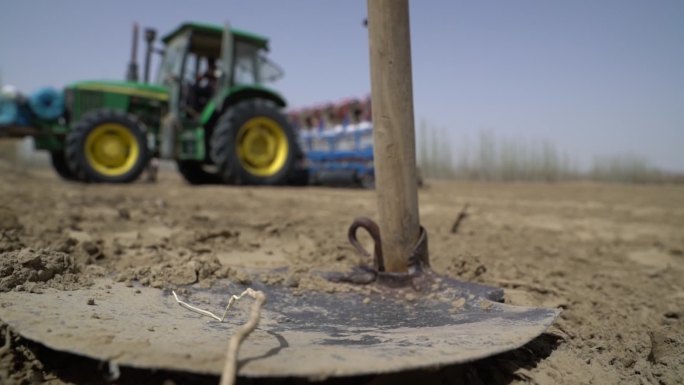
(611, 256)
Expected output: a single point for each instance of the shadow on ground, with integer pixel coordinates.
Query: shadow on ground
(52, 366)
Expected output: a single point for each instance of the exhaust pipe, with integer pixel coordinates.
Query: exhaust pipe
(150, 35)
(132, 74)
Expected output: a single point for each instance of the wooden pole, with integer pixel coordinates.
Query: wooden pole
(393, 131)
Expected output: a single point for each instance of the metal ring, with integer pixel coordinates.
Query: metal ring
(374, 231)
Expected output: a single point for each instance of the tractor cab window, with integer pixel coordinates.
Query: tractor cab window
(204, 75)
(172, 63)
(252, 66)
(268, 70)
(189, 69)
(245, 67)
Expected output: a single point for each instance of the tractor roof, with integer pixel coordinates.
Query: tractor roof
(212, 29)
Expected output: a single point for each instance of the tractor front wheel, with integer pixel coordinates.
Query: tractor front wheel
(254, 144)
(59, 163)
(107, 146)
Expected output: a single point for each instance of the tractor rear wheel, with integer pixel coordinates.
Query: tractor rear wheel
(59, 163)
(107, 146)
(195, 173)
(254, 144)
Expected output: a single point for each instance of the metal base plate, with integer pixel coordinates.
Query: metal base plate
(313, 335)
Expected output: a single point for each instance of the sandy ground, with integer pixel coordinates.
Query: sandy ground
(611, 256)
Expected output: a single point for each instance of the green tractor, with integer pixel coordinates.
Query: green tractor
(208, 110)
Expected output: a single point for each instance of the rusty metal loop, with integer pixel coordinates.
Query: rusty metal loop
(374, 231)
(419, 259)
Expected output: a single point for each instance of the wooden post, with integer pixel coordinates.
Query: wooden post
(393, 131)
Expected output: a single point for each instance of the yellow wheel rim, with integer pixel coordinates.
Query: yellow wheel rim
(111, 149)
(262, 146)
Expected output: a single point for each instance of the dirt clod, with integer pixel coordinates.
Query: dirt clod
(91, 248)
(124, 213)
(38, 269)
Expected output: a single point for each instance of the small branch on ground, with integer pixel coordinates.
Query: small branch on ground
(230, 369)
(250, 292)
(461, 216)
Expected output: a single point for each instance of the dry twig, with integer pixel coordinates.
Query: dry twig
(461, 216)
(230, 368)
(250, 292)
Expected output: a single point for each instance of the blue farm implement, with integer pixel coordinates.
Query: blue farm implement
(337, 141)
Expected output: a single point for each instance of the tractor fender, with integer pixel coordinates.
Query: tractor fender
(236, 94)
(253, 93)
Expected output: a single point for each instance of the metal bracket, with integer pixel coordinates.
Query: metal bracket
(417, 276)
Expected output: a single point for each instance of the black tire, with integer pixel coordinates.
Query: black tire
(300, 177)
(225, 142)
(194, 172)
(82, 160)
(59, 163)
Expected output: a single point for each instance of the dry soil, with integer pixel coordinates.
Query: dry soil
(611, 256)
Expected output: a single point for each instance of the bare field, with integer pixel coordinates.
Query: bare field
(611, 256)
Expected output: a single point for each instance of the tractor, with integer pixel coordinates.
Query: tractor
(208, 109)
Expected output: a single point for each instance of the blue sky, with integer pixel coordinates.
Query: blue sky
(593, 77)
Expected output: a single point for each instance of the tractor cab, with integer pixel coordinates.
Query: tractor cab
(222, 120)
(202, 63)
(209, 110)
